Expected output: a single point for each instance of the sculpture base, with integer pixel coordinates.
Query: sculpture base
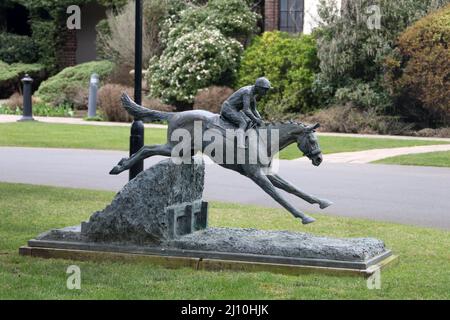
(227, 249)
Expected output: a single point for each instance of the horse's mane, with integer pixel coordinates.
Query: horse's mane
(277, 123)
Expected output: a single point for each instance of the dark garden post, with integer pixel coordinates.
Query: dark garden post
(137, 128)
(27, 103)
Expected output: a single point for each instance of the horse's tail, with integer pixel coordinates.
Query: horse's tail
(141, 113)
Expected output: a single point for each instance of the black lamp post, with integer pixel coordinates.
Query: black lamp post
(137, 127)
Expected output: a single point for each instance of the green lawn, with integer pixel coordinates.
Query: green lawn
(350, 144)
(46, 135)
(117, 138)
(432, 159)
(423, 270)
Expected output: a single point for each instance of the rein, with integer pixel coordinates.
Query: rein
(313, 153)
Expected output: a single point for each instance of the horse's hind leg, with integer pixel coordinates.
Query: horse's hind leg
(262, 181)
(279, 182)
(143, 153)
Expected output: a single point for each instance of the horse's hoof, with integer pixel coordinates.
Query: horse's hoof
(116, 170)
(325, 204)
(308, 220)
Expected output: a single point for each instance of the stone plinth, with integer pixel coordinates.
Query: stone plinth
(161, 203)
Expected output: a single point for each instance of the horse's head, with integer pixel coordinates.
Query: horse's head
(308, 143)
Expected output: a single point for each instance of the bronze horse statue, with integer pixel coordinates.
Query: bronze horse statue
(258, 171)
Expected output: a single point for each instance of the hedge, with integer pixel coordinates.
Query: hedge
(419, 73)
(59, 88)
(11, 74)
(290, 63)
(15, 48)
(192, 62)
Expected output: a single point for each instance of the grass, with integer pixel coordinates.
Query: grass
(423, 271)
(432, 159)
(46, 135)
(117, 138)
(349, 144)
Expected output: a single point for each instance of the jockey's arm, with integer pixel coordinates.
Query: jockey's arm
(255, 112)
(247, 110)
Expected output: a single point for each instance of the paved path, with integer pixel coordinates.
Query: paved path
(381, 136)
(67, 120)
(343, 157)
(368, 156)
(80, 121)
(404, 194)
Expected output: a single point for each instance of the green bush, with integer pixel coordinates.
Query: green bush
(231, 17)
(58, 89)
(103, 31)
(10, 75)
(194, 61)
(352, 53)
(15, 48)
(44, 36)
(349, 119)
(419, 72)
(113, 4)
(17, 70)
(290, 63)
(199, 48)
(365, 96)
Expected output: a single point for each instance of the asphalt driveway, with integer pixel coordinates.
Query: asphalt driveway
(405, 194)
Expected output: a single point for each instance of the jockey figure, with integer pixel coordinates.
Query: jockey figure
(240, 108)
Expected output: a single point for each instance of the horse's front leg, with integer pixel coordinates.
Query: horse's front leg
(279, 182)
(261, 180)
(143, 153)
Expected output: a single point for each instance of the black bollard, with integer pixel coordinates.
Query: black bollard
(27, 103)
(136, 142)
(137, 128)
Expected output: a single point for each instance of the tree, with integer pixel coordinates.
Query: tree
(200, 49)
(352, 51)
(418, 72)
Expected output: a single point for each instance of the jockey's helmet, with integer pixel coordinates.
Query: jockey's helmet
(263, 82)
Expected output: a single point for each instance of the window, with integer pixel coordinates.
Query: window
(291, 15)
(15, 20)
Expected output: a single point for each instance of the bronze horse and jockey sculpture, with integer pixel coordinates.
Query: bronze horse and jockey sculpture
(238, 114)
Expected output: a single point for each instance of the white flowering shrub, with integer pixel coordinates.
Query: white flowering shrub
(193, 61)
(233, 18)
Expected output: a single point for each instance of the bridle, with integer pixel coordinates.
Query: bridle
(313, 152)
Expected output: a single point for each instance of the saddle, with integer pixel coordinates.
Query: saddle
(218, 122)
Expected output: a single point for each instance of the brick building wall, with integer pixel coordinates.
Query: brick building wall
(67, 55)
(79, 46)
(271, 12)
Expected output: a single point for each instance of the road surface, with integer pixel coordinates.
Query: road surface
(405, 194)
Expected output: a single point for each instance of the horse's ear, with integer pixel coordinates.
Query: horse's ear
(313, 127)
